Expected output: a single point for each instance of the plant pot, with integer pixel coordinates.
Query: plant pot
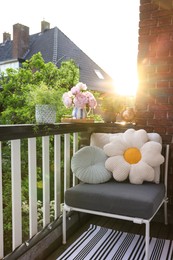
(109, 117)
(45, 114)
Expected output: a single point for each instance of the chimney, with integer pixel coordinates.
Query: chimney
(6, 37)
(20, 40)
(45, 26)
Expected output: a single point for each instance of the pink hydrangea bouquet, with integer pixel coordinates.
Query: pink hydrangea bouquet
(79, 97)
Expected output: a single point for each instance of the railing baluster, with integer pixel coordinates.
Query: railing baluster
(75, 148)
(75, 142)
(16, 193)
(57, 174)
(46, 180)
(32, 186)
(66, 161)
(1, 209)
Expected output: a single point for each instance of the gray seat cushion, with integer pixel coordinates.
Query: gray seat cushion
(117, 198)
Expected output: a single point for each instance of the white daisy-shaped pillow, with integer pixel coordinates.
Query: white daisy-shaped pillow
(133, 155)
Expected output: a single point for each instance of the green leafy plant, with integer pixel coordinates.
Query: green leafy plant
(110, 104)
(25, 210)
(43, 95)
(18, 83)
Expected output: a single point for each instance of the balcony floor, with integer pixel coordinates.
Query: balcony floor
(158, 229)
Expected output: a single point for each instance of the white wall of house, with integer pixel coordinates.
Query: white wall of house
(14, 64)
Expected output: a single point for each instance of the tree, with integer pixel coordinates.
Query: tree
(16, 84)
(68, 74)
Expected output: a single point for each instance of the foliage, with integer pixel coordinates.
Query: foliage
(109, 106)
(25, 210)
(14, 108)
(68, 74)
(43, 95)
(17, 83)
(95, 117)
(111, 102)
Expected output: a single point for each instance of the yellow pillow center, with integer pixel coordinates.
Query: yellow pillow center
(132, 155)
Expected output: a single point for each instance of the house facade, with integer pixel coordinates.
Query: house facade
(55, 47)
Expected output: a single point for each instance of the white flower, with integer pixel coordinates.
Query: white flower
(81, 86)
(132, 154)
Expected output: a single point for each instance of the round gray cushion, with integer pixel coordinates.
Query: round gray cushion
(88, 165)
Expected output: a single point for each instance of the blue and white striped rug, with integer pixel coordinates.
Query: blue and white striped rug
(102, 243)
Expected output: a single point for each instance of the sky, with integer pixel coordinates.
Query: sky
(106, 30)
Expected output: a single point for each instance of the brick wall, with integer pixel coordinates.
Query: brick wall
(20, 40)
(154, 103)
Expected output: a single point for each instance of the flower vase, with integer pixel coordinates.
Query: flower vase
(79, 113)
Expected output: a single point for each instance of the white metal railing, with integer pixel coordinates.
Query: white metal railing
(32, 169)
(16, 193)
(70, 144)
(1, 208)
(44, 149)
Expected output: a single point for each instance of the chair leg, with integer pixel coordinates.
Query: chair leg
(147, 238)
(64, 226)
(166, 212)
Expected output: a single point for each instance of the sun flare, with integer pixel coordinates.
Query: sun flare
(126, 84)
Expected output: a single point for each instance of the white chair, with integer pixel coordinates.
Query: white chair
(126, 201)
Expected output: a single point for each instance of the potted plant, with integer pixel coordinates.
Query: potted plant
(110, 106)
(45, 100)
